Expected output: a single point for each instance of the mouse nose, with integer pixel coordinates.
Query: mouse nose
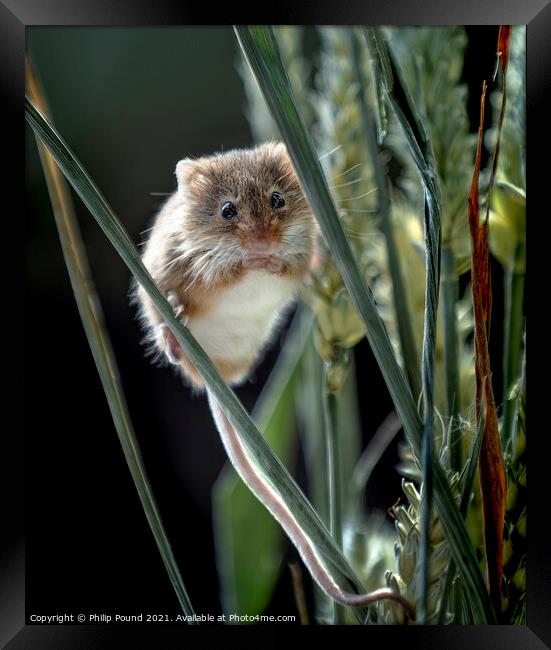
(261, 254)
(263, 247)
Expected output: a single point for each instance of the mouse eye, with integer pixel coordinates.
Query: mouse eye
(229, 210)
(277, 201)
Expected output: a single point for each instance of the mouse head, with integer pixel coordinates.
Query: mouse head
(246, 206)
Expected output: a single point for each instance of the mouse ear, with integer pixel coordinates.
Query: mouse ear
(187, 169)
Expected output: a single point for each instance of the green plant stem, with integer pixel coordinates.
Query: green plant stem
(286, 367)
(401, 307)
(514, 297)
(463, 506)
(333, 466)
(464, 606)
(260, 47)
(298, 590)
(432, 256)
(453, 398)
(332, 456)
(91, 314)
(419, 144)
(350, 430)
(309, 403)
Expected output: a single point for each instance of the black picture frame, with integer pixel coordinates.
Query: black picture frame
(15, 16)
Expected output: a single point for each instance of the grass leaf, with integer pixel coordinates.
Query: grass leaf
(350, 429)
(420, 147)
(403, 318)
(333, 474)
(466, 492)
(450, 292)
(309, 412)
(260, 47)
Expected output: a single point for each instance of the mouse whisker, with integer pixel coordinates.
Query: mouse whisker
(367, 235)
(199, 270)
(339, 146)
(361, 196)
(362, 232)
(186, 253)
(351, 210)
(170, 263)
(204, 258)
(211, 261)
(357, 180)
(347, 171)
(192, 282)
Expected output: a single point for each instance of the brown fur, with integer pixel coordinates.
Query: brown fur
(193, 252)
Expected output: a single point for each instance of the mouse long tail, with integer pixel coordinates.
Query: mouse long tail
(281, 512)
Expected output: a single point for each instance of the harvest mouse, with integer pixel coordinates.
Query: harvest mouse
(229, 249)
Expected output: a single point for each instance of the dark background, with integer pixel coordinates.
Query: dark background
(131, 102)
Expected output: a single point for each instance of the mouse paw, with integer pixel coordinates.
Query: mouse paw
(172, 348)
(176, 306)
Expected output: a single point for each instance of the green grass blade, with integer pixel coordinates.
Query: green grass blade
(399, 98)
(249, 542)
(432, 255)
(462, 549)
(91, 314)
(260, 47)
(332, 474)
(453, 397)
(267, 462)
(309, 406)
(465, 497)
(309, 411)
(514, 297)
(471, 468)
(380, 76)
(286, 367)
(333, 467)
(350, 429)
(401, 307)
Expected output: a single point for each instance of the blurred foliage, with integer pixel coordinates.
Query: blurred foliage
(514, 565)
(431, 61)
(508, 200)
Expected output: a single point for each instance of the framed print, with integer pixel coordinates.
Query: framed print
(267, 365)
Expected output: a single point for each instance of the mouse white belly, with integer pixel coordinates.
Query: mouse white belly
(244, 317)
